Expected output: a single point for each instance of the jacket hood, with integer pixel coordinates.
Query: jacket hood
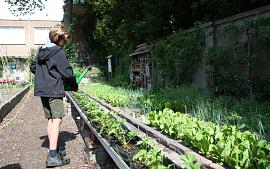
(45, 54)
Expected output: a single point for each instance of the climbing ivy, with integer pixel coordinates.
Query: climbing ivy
(223, 70)
(176, 57)
(235, 68)
(260, 31)
(70, 51)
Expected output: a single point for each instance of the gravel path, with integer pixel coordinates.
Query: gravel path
(24, 143)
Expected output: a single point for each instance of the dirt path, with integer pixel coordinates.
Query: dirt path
(23, 138)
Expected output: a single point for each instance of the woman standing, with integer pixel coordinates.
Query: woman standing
(52, 70)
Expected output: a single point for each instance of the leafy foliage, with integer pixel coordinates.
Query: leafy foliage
(32, 56)
(226, 143)
(245, 114)
(70, 51)
(215, 9)
(189, 162)
(177, 56)
(222, 70)
(115, 27)
(236, 68)
(147, 154)
(24, 7)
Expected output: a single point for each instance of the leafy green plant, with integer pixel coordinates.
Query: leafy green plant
(110, 126)
(152, 157)
(220, 110)
(144, 143)
(227, 144)
(190, 162)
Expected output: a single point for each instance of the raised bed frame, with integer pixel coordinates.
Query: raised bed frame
(116, 158)
(168, 153)
(12, 102)
(164, 140)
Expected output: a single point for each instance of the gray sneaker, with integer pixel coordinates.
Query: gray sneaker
(56, 161)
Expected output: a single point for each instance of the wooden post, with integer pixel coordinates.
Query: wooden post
(185, 107)
(109, 67)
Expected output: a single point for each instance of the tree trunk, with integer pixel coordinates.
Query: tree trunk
(69, 12)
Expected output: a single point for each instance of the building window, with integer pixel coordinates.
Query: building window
(12, 35)
(41, 35)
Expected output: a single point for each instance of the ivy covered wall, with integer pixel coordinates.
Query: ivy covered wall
(176, 58)
(238, 63)
(226, 57)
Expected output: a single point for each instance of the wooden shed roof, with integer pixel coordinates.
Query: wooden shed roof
(142, 48)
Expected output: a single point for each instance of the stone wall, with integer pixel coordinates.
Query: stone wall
(213, 37)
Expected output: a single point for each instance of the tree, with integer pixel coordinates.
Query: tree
(209, 10)
(24, 7)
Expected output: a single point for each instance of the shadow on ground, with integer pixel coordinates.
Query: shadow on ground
(12, 166)
(64, 136)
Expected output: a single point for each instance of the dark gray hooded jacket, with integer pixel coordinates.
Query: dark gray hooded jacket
(52, 70)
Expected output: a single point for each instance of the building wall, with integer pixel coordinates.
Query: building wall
(23, 50)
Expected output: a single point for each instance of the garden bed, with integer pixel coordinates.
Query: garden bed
(166, 141)
(224, 143)
(122, 158)
(10, 98)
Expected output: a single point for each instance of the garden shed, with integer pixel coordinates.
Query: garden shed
(141, 67)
